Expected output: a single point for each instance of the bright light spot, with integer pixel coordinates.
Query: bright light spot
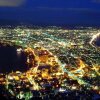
(19, 50)
(62, 90)
(94, 37)
(74, 87)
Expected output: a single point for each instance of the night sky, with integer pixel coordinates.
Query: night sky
(50, 12)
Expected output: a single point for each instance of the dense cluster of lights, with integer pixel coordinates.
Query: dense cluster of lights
(44, 49)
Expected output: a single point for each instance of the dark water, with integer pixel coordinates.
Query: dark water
(97, 42)
(10, 60)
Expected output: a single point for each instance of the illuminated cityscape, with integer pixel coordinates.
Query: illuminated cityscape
(59, 63)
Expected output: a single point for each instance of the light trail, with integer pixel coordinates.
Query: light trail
(71, 75)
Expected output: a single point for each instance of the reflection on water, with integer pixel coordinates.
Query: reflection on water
(11, 60)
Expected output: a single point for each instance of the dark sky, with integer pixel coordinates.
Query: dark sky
(51, 12)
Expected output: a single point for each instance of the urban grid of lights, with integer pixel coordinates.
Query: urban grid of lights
(44, 48)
